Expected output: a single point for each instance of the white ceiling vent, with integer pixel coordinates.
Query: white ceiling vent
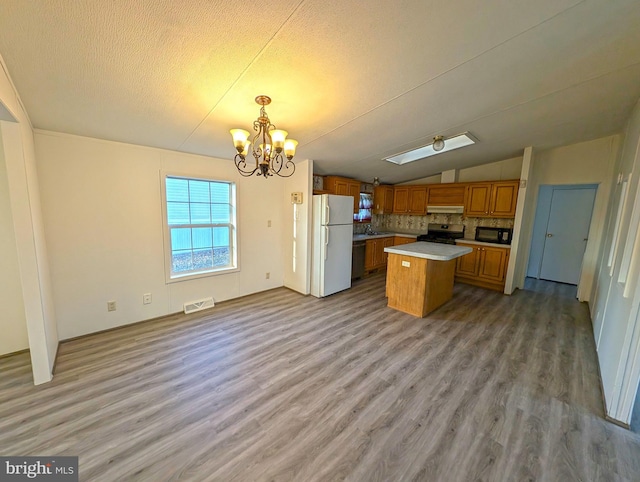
(198, 305)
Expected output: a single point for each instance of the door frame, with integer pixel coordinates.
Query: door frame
(541, 222)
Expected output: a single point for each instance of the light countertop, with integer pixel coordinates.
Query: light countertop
(433, 251)
(482, 243)
(364, 237)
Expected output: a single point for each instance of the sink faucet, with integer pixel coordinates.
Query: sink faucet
(367, 229)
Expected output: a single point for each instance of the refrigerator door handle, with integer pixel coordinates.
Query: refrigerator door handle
(327, 213)
(326, 242)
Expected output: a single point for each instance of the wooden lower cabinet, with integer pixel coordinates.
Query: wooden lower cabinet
(485, 266)
(375, 257)
(399, 240)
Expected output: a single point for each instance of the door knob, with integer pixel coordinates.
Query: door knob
(549, 235)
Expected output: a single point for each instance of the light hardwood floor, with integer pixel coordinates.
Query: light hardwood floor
(278, 386)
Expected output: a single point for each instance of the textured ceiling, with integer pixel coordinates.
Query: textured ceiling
(352, 81)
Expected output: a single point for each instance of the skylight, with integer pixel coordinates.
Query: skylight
(450, 144)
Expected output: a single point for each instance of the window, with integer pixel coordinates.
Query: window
(200, 229)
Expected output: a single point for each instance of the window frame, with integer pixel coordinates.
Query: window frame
(171, 277)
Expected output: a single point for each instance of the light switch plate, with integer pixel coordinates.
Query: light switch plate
(296, 198)
(406, 264)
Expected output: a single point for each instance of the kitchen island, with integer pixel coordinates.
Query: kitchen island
(420, 276)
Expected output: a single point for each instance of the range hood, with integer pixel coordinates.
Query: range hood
(445, 209)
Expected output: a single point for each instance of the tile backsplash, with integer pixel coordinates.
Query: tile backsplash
(405, 223)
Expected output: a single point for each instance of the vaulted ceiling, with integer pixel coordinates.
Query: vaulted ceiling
(352, 81)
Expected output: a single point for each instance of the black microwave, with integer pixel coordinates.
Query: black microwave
(494, 235)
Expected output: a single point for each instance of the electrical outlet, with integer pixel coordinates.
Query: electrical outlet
(111, 306)
(146, 298)
(268, 275)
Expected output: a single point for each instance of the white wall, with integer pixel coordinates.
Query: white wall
(297, 229)
(424, 180)
(588, 162)
(13, 322)
(31, 247)
(615, 316)
(103, 219)
(519, 244)
(494, 171)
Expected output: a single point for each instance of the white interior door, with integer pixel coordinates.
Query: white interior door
(567, 233)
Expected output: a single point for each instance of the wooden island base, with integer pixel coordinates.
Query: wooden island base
(420, 285)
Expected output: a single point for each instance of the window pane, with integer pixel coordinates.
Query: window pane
(202, 238)
(199, 191)
(181, 261)
(220, 213)
(193, 205)
(200, 213)
(177, 189)
(177, 213)
(220, 237)
(219, 192)
(180, 239)
(221, 257)
(202, 259)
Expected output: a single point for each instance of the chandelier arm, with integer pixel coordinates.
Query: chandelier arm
(279, 162)
(241, 165)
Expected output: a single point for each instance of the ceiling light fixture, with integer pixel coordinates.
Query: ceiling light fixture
(268, 144)
(455, 142)
(438, 143)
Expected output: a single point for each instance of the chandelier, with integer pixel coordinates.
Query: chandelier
(268, 146)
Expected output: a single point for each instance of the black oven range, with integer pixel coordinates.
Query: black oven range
(443, 233)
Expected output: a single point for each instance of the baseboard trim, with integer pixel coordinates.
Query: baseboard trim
(13, 353)
(604, 400)
(55, 360)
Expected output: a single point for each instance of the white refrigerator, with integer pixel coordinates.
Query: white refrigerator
(332, 244)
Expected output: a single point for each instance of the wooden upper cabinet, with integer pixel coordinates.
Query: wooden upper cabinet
(410, 200)
(446, 194)
(492, 199)
(383, 200)
(400, 200)
(478, 199)
(353, 189)
(343, 186)
(418, 200)
(504, 196)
